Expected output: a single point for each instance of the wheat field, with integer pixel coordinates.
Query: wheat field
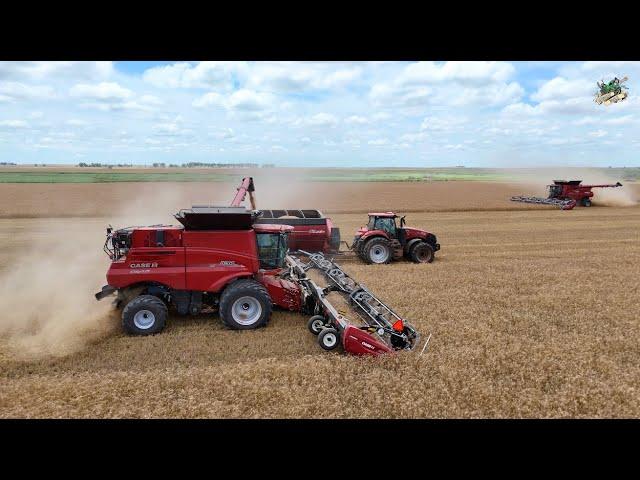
(533, 313)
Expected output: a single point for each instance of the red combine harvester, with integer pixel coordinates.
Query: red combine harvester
(222, 260)
(566, 194)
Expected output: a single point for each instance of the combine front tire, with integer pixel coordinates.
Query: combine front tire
(144, 315)
(245, 304)
(315, 324)
(377, 250)
(422, 252)
(329, 338)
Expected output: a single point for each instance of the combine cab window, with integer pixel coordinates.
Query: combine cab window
(272, 248)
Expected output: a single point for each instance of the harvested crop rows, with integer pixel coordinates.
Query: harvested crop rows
(533, 313)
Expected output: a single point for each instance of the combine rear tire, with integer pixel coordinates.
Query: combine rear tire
(245, 304)
(315, 324)
(144, 315)
(329, 338)
(586, 202)
(422, 252)
(377, 250)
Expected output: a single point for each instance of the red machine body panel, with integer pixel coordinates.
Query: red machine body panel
(358, 342)
(214, 258)
(156, 255)
(284, 293)
(312, 238)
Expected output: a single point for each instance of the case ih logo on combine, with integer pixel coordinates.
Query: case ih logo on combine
(144, 265)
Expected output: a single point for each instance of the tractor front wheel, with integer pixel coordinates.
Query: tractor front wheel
(245, 304)
(144, 315)
(422, 252)
(377, 250)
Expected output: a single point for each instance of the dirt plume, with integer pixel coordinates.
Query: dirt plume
(47, 302)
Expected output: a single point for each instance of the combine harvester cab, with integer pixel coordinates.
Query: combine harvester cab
(566, 194)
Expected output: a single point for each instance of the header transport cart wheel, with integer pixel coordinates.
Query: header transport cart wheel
(329, 338)
(315, 324)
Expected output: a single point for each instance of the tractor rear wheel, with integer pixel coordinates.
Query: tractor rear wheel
(377, 250)
(422, 252)
(245, 304)
(144, 315)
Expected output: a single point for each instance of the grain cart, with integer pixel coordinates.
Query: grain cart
(221, 260)
(566, 194)
(380, 241)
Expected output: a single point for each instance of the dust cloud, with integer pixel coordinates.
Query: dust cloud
(47, 296)
(47, 302)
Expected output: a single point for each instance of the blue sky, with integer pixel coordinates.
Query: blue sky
(358, 114)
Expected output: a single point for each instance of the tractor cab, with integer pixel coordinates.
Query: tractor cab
(385, 222)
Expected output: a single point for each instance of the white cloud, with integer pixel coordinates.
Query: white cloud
(38, 70)
(187, 75)
(450, 83)
(101, 91)
(322, 120)
(243, 100)
(560, 88)
(356, 120)
(443, 123)
(75, 122)
(300, 76)
(14, 124)
(598, 133)
(464, 73)
(591, 120)
(379, 142)
(21, 91)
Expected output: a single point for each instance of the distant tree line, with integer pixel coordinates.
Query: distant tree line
(105, 165)
(173, 165)
(220, 165)
(7, 163)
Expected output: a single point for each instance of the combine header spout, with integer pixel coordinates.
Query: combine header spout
(245, 187)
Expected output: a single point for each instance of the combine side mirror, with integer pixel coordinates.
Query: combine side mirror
(402, 222)
(109, 230)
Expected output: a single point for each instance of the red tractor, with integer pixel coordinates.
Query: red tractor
(381, 240)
